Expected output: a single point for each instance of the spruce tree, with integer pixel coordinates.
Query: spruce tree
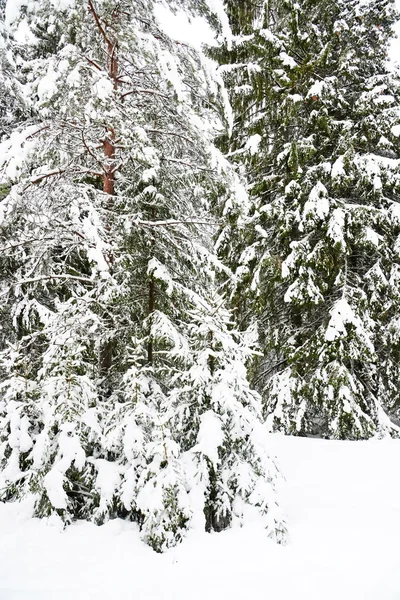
(317, 138)
(218, 417)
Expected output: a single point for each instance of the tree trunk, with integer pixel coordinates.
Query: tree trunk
(152, 296)
(109, 165)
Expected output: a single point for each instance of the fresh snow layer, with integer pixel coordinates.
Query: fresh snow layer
(343, 505)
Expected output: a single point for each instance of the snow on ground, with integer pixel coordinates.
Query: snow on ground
(343, 505)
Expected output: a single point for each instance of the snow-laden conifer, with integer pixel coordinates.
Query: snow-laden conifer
(317, 136)
(12, 103)
(218, 419)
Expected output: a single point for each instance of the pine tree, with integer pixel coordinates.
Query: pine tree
(317, 136)
(106, 251)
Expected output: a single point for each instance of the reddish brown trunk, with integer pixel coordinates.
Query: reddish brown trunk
(106, 356)
(109, 178)
(110, 137)
(113, 66)
(109, 184)
(109, 142)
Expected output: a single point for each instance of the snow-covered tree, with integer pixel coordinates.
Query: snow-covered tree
(13, 105)
(317, 136)
(218, 418)
(106, 252)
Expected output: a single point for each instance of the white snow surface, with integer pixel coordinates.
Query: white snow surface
(343, 506)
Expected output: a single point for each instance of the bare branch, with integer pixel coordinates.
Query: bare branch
(144, 91)
(37, 132)
(94, 64)
(45, 176)
(25, 243)
(98, 23)
(174, 222)
(186, 164)
(178, 135)
(61, 172)
(48, 277)
(90, 152)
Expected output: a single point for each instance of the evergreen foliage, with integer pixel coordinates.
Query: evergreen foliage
(13, 108)
(106, 270)
(160, 297)
(316, 136)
